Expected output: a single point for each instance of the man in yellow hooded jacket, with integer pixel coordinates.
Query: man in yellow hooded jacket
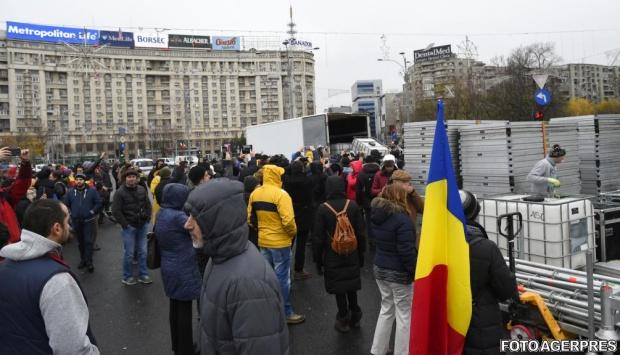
(270, 210)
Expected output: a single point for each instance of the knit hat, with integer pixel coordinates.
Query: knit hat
(81, 176)
(400, 175)
(165, 172)
(131, 171)
(196, 174)
(471, 207)
(557, 151)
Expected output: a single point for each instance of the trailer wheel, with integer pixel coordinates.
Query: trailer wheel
(522, 332)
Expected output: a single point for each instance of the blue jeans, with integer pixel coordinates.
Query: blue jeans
(134, 239)
(280, 260)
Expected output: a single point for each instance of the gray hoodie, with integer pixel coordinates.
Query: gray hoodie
(61, 301)
(544, 169)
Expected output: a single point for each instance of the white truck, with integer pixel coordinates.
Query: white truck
(334, 130)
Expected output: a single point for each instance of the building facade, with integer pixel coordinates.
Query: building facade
(590, 81)
(366, 98)
(83, 101)
(392, 114)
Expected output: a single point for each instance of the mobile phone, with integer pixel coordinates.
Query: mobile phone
(246, 149)
(15, 152)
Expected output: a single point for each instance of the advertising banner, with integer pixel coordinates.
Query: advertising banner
(304, 45)
(434, 53)
(189, 41)
(227, 43)
(116, 39)
(151, 40)
(30, 32)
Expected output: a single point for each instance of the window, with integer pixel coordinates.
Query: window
(76, 107)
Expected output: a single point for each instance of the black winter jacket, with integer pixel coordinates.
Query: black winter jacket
(318, 179)
(491, 282)
(342, 273)
(395, 237)
(364, 184)
(127, 204)
(159, 189)
(242, 310)
(299, 187)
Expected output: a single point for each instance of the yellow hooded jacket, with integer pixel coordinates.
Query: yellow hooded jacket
(270, 208)
(154, 183)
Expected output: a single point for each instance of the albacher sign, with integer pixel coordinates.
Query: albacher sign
(30, 32)
(188, 41)
(434, 53)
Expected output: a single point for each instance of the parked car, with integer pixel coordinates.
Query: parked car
(145, 165)
(168, 161)
(191, 159)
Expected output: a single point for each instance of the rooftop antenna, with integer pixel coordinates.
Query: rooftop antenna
(385, 50)
(291, 25)
(467, 49)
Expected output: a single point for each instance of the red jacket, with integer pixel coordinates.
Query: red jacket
(379, 182)
(10, 196)
(356, 166)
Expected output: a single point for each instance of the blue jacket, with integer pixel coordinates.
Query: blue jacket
(395, 237)
(179, 270)
(83, 204)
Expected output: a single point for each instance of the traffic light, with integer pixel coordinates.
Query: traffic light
(539, 115)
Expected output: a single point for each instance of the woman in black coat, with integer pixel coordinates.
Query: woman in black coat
(299, 187)
(342, 273)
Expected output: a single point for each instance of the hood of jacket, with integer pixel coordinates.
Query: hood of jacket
(31, 246)
(356, 166)
(272, 175)
(174, 196)
(335, 188)
(371, 168)
(220, 210)
(383, 209)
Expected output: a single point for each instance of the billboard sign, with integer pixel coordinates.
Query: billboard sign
(431, 54)
(151, 40)
(116, 39)
(30, 32)
(227, 43)
(189, 41)
(305, 45)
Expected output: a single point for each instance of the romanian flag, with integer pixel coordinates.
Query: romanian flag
(442, 301)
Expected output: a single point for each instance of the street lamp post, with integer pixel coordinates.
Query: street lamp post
(289, 72)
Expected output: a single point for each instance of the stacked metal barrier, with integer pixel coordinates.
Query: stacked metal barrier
(599, 148)
(497, 157)
(418, 138)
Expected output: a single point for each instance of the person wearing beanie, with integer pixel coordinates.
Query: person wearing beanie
(543, 177)
(415, 203)
(388, 166)
(197, 175)
(491, 282)
(84, 203)
(132, 210)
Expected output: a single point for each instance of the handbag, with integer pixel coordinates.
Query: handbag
(153, 254)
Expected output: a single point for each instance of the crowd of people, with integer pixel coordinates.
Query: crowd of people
(232, 236)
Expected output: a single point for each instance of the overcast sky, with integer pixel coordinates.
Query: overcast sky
(348, 32)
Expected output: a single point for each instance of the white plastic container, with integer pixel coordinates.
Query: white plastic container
(555, 232)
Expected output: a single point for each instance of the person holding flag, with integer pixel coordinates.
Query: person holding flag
(442, 305)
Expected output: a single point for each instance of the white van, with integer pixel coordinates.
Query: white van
(191, 159)
(145, 165)
(367, 145)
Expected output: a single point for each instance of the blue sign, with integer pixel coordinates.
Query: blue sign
(116, 39)
(122, 147)
(226, 43)
(29, 32)
(542, 97)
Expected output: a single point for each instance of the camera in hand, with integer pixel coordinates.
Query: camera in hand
(246, 149)
(15, 152)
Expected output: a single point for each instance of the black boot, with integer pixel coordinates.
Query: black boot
(356, 316)
(342, 323)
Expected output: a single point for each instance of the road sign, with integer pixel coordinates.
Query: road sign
(122, 139)
(542, 97)
(122, 147)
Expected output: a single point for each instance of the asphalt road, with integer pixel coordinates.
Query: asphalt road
(134, 319)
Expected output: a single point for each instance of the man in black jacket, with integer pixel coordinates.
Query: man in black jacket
(132, 209)
(363, 192)
(83, 203)
(491, 282)
(241, 307)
